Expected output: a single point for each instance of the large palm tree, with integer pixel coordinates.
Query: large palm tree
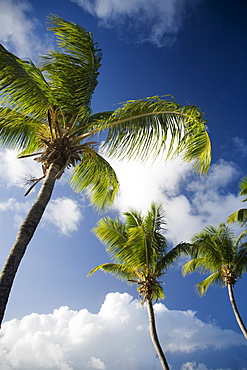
(45, 112)
(217, 251)
(240, 216)
(140, 255)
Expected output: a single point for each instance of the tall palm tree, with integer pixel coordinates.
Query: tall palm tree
(138, 249)
(240, 216)
(217, 251)
(45, 112)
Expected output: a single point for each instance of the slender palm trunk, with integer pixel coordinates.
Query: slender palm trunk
(154, 336)
(23, 238)
(235, 310)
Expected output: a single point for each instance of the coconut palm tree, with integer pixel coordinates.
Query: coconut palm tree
(45, 112)
(217, 251)
(140, 255)
(240, 216)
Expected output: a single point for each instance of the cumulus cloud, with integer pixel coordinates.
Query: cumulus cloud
(155, 21)
(18, 29)
(191, 202)
(64, 213)
(117, 337)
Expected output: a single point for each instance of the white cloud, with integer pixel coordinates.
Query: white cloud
(191, 202)
(18, 29)
(64, 213)
(117, 337)
(14, 171)
(156, 21)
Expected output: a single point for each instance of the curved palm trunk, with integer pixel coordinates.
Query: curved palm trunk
(235, 310)
(154, 336)
(23, 238)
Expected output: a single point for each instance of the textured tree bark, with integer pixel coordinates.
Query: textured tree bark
(23, 238)
(235, 310)
(154, 336)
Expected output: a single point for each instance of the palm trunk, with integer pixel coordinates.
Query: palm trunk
(154, 336)
(23, 238)
(235, 310)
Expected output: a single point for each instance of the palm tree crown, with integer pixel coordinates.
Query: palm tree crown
(218, 252)
(138, 250)
(46, 112)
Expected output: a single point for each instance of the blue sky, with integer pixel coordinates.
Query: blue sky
(57, 318)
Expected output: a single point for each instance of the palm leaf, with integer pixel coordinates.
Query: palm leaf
(239, 216)
(203, 286)
(20, 131)
(95, 175)
(113, 234)
(193, 265)
(23, 87)
(146, 128)
(240, 260)
(120, 271)
(243, 187)
(73, 70)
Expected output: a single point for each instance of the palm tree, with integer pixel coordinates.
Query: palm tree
(45, 112)
(217, 251)
(139, 253)
(240, 216)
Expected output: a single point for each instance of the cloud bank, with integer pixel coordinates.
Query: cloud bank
(117, 337)
(155, 21)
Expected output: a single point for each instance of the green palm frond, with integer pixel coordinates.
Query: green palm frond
(243, 187)
(19, 131)
(133, 219)
(23, 87)
(113, 234)
(148, 127)
(193, 265)
(239, 216)
(120, 271)
(170, 257)
(240, 261)
(95, 175)
(73, 69)
(203, 286)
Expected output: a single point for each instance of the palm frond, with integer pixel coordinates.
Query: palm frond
(120, 271)
(203, 286)
(95, 175)
(113, 234)
(146, 128)
(239, 216)
(170, 257)
(73, 69)
(133, 218)
(20, 131)
(243, 187)
(23, 87)
(193, 265)
(240, 260)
